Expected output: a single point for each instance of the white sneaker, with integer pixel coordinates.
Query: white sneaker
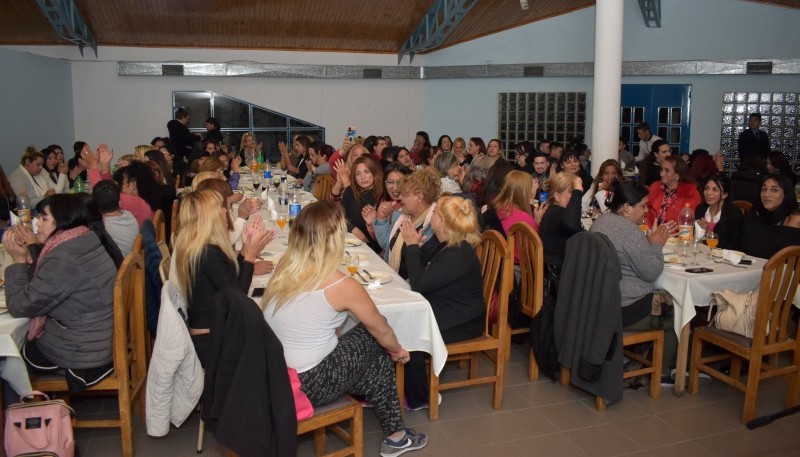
(704, 378)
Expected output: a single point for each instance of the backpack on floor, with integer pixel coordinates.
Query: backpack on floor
(41, 428)
(543, 340)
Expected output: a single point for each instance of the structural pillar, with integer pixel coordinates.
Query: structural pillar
(607, 90)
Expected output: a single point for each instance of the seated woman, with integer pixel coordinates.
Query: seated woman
(446, 271)
(247, 207)
(214, 165)
(524, 157)
(317, 164)
(513, 204)
(571, 163)
(650, 168)
(30, 179)
(562, 218)
(641, 262)
(305, 310)
(595, 199)
(774, 222)
(72, 290)
(393, 176)
(418, 198)
(475, 179)
(8, 199)
(718, 214)
(366, 190)
(670, 195)
(205, 262)
(56, 170)
(776, 163)
(294, 161)
(452, 174)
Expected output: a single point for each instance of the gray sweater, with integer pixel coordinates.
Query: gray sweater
(74, 287)
(123, 230)
(640, 261)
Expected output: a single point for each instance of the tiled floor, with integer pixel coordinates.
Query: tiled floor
(542, 419)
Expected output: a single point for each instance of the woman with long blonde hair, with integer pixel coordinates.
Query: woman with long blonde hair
(448, 274)
(308, 299)
(513, 203)
(205, 262)
(248, 149)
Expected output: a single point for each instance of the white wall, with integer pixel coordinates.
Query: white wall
(126, 111)
(36, 94)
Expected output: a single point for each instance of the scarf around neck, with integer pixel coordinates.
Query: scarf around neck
(422, 222)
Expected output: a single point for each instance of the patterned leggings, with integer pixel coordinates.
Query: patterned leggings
(359, 366)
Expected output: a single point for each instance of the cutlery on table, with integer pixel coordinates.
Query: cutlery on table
(367, 272)
(362, 278)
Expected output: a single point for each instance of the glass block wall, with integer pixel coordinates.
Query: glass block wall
(533, 116)
(779, 118)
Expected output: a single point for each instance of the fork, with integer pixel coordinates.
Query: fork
(368, 274)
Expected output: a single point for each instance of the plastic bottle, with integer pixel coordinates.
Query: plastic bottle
(267, 170)
(294, 205)
(24, 209)
(78, 186)
(686, 223)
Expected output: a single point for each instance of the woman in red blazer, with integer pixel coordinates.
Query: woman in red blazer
(668, 196)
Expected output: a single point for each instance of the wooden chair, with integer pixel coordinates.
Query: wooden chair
(744, 206)
(175, 223)
(158, 222)
(497, 269)
(650, 366)
(779, 283)
(530, 251)
(322, 186)
(130, 369)
(138, 246)
(346, 408)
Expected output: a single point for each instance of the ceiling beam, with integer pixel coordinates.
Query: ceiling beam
(436, 25)
(651, 12)
(68, 23)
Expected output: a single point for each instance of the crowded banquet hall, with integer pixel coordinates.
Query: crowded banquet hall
(442, 227)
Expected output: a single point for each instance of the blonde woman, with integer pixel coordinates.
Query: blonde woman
(139, 151)
(448, 274)
(205, 262)
(29, 180)
(562, 219)
(308, 299)
(417, 201)
(248, 149)
(513, 203)
(460, 150)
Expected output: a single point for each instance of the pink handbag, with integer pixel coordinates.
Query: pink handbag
(301, 403)
(39, 428)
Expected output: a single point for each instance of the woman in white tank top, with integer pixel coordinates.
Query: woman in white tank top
(308, 298)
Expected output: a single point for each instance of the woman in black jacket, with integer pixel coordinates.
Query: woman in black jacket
(718, 214)
(446, 271)
(562, 219)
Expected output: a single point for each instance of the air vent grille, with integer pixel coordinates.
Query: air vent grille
(172, 70)
(759, 68)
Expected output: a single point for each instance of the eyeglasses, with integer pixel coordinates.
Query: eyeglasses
(391, 183)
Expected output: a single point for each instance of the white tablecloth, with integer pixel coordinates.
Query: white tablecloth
(409, 314)
(12, 367)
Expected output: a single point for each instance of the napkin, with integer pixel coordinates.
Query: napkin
(374, 285)
(731, 256)
(34, 222)
(273, 213)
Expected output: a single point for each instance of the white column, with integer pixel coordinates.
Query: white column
(607, 81)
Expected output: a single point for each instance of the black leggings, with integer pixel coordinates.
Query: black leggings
(358, 366)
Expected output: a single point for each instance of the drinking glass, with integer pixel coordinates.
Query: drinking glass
(696, 242)
(643, 226)
(351, 261)
(281, 221)
(712, 240)
(256, 182)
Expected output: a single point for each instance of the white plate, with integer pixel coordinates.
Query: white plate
(382, 277)
(352, 242)
(717, 252)
(672, 259)
(361, 258)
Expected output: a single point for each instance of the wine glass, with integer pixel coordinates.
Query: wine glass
(256, 182)
(712, 240)
(351, 261)
(696, 242)
(276, 182)
(281, 221)
(643, 226)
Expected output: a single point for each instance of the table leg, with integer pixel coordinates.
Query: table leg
(680, 365)
(400, 374)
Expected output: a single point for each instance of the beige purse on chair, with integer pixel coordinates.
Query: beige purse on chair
(736, 312)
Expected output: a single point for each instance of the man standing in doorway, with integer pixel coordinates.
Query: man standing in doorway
(753, 140)
(646, 140)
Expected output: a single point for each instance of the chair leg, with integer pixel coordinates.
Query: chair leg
(320, 442)
(433, 395)
(658, 361)
(694, 369)
(793, 395)
(533, 368)
(507, 343)
(564, 378)
(736, 367)
(400, 375)
(499, 372)
(473, 365)
(200, 432)
(600, 403)
(751, 394)
(358, 433)
(125, 421)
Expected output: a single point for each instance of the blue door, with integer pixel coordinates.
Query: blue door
(665, 107)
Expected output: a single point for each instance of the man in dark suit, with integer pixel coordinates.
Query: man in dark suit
(753, 140)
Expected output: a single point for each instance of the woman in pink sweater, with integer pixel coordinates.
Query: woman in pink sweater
(513, 203)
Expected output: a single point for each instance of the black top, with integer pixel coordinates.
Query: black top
(181, 139)
(214, 135)
(746, 185)
(748, 144)
(450, 279)
(729, 227)
(557, 226)
(352, 206)
(649, 172)
(214, 273)
(528, 168)
(762, 240)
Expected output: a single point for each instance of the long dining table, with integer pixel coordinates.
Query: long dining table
(690, 290)
(408, 312)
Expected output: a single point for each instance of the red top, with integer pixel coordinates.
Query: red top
(133, 203)
(687, 193)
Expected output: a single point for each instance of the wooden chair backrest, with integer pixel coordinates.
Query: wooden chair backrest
(158, 222)
(322, 186)
(138, 246)
(744, 206)
(497, 271)
(779, 283)
(175, 208)
(130, 331)
(523, 239)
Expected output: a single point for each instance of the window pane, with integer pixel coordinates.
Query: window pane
(663, 115)
(312, 135)
(626, 115)
(638, 115)
(266, 119)
(662, 132)
(198, 104)
(625, 132)
(676, 116)
(675, 135)
(231, 113)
